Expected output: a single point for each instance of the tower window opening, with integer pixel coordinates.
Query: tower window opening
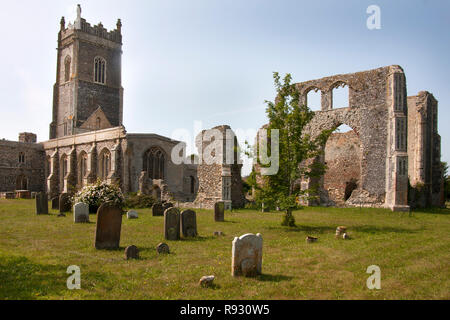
(100, 70)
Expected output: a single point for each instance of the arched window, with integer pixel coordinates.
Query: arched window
(314, 99)
(64, 166)
(98, 123)
(100, 70)
(341, 95)
(154, 163)
(104, 164)
(21, 157)
(67, 63)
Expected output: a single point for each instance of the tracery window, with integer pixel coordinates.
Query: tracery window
(100, 70)
(154, 163)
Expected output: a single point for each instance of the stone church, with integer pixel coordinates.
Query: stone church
(390, 159)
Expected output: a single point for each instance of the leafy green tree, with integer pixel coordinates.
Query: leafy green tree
(287, 115)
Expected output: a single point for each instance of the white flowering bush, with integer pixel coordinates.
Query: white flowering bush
(97, 194)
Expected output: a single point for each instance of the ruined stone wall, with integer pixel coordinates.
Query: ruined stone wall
(343, 161)
(12, 169)
(424, 151)
(219, 181)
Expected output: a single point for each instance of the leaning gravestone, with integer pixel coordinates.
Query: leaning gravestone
(81, 213)
(41, 203)
(247, 255)
(131, 252)
(219, 212)
(109, 224)
(172, 224)
(189, 224)
(157, 210)
(55, 203)
(163, 248)
(132, 215)
(64, 203)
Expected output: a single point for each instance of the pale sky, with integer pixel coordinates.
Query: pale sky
(212, 61)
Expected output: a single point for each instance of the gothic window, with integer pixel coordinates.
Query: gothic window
(98, 123)
(67, 63)
(65, 128)
(402, 166)
(100, 70)
(21, 157)
(104, 164)
(154, 163)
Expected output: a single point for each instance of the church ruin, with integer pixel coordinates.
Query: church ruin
(391, 158)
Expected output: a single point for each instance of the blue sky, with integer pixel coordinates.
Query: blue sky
(212, 61)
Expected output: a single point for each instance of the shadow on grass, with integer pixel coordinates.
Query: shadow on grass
(197, 239)
(22, 279)
(273, 278)
(327, 229)
(375, 230)
(306, 229)
(444, 211)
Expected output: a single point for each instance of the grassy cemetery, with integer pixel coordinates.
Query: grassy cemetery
(411, 249)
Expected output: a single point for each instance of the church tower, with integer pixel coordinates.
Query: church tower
(88, 93)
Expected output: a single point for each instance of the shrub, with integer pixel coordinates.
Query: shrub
(97, 194)
(139, 201)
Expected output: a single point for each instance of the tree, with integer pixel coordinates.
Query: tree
(287, 115)
(446, 180)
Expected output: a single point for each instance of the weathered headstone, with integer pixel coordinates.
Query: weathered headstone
(218, 234)
(189, 224)
(41, 203)
(55, 203)
(172, 224)
(132, 214)
(247, 255)
(157, 210)
(207, 281)
(311, 239)
(64, 203)
(131, 252)
(167, 205)
(81, 213)
(340, 231)
(219, 212)
(163, 248)
(109, 224)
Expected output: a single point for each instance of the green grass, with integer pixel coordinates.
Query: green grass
(413, 252)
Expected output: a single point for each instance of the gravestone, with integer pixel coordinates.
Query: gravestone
(163, 248)
(64, 203)
(132, 214)
(157, 210)
(41, 203)
(81, 213)
(207, 281)
(109, 224)
(219, 212)
(167, 205)
(172, 224)
(189, 224)
(55, 203)
(131, 252)
(340, 231)
(247, 255)
(218, 234)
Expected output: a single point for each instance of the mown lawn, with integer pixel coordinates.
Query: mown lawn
(413, 252)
